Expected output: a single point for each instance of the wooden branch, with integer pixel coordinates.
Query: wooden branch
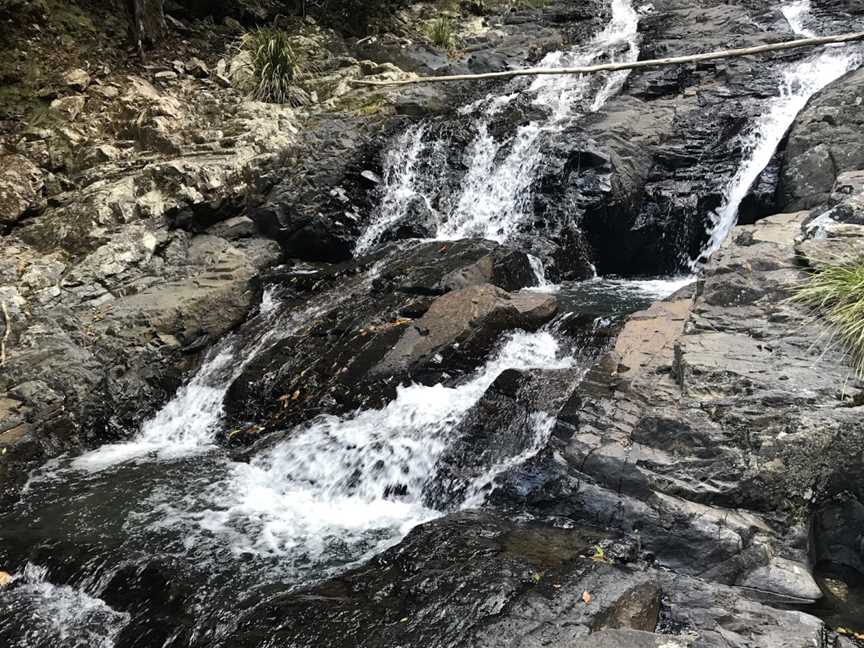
(7, 324)
(607, 67)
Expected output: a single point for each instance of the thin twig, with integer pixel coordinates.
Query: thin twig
(632, 65)
(7, 322)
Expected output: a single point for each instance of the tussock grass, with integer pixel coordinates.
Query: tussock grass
(442, 34)
(275, 64)
(836, 295)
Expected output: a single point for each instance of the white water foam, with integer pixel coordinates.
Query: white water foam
(495, 196)
(59, 615)
(188, 423)
(496, 192)
(656, 288)
(797, 14)
(800, 81)
(344, 480)
(400, 185)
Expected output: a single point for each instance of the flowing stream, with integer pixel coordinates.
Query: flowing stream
(799, 82)
(337, 490)
(495, 194)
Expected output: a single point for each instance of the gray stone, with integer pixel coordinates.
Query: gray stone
(784, 577)
(630, 639)
(826, 140)
(197, 68)
(465, 319)
(21, 185)
(69, 107)
(77, 79)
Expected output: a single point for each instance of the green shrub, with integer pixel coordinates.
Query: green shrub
(836, 294)
(275, 65)
(441, 33)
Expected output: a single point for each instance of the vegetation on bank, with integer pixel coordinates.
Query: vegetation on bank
(442, 34)
(836, 295)
(274, 66)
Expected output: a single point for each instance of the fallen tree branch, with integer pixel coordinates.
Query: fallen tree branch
(7, 329)
(608, 67)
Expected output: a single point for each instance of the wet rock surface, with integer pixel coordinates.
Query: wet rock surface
(695, 485)
(634, 187)
(825, 143)
(687, 449)
(412, 311)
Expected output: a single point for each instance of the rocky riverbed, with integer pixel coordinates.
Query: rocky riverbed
(506, 364)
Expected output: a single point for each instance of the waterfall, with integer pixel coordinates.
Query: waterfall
(44, 614)
(339, 482)
(796, 14)
(401, 185)
(189, 422)
(495, 194)
(799, 82)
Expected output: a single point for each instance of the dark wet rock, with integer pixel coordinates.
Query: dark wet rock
(837, 529)
(314, 211)
(471, 579)
(383, 320)
(512, 418)
(419, 222)
(826, 140)
(698, 437)
(476, 579)
(465, 324)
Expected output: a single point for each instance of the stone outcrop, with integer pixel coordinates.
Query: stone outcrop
(347, 336)
(826, 141)
(122, 253)
(687, 453)
(20, 188)
(467, 321)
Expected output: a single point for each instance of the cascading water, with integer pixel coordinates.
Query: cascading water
(400, 180)
(52, 615)
(190, 421)
(350, 484)
(799, 82)
(495, 193)
(339, 489)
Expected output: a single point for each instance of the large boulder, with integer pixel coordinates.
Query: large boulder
(479, 580)
(20, 188)
(464, 324)
(826, 140)
(314, 211)
(418, 311)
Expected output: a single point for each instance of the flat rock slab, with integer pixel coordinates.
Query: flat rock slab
(824, 253)
(648, 337)
(470, 318)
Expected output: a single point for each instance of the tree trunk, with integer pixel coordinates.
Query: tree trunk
(148, 23)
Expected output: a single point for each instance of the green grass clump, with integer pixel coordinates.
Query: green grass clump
(276, 65)
(836, 294)
(442, 34)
